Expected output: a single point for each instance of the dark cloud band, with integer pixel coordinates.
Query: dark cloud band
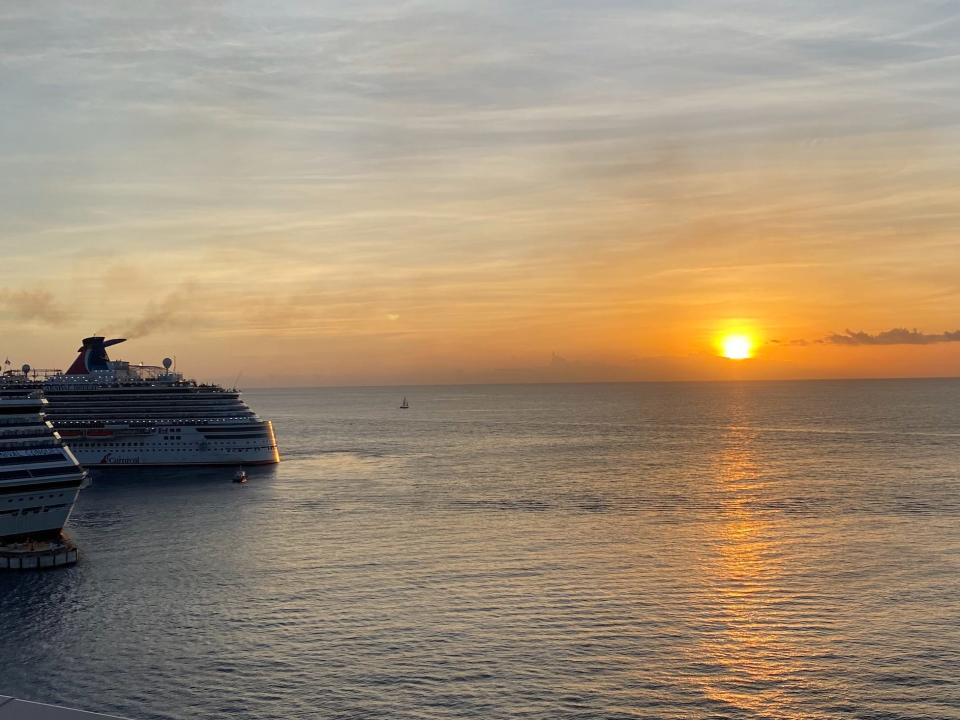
(895, 336)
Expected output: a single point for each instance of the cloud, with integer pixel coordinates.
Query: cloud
(498, 175)
(895, 336)
(37, 305)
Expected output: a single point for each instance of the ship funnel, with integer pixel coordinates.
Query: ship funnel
(93, 355)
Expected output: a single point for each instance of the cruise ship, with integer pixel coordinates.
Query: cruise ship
(112, 412)
(39, 476)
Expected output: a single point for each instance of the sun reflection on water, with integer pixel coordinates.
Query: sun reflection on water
(751, 659)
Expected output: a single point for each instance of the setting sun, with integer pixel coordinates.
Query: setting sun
(737, 347)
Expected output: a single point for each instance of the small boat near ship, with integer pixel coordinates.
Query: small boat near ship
(240, 476)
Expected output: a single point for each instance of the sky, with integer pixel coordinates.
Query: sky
(314, 193)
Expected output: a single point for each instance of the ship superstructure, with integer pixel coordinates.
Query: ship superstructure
(39, 476)
(114, 413)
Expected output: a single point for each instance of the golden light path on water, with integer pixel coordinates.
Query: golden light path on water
(754, 643)
(744, 572)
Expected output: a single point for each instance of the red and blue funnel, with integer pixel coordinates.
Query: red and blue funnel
(93, 355)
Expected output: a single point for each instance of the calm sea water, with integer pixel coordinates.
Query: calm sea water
(782, 550)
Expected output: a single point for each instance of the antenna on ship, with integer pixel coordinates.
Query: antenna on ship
(25, 369)
(167, 362)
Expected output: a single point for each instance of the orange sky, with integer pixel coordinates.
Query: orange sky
(320, 194)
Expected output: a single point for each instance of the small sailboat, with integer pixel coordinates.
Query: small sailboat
(240, 476)
(404, 405)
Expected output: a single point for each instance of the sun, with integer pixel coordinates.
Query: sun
(737, 347)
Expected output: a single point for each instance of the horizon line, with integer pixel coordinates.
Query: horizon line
(610, 382)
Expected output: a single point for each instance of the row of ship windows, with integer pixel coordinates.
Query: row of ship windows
(162, 431)
(128, 390)
(140, 444)
(100, 398)
(121, 390)
(113, 407)
(35, 444)
(135, 402)
(87, 407)
(39, 497)
(218, 448)
(134, 389)
(7, 445)
(24, 433)
(94, 395)
(191, 421)
(115, 390)
(27, 459)
(163, 414)
(167, 432)
(31, 510)
(213, 412)
(43, 472)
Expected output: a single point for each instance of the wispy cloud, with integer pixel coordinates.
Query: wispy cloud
(895, 336)
(485, 175)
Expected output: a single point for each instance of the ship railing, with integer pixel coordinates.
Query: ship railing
(35, 373)
(19, 402)
(145, 372)
(48, 441)
(21, 420)
(27, 432)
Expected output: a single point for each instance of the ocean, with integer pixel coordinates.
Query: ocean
(701, 550)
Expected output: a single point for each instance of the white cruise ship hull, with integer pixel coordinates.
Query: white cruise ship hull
(35, 512)
(125, 445)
